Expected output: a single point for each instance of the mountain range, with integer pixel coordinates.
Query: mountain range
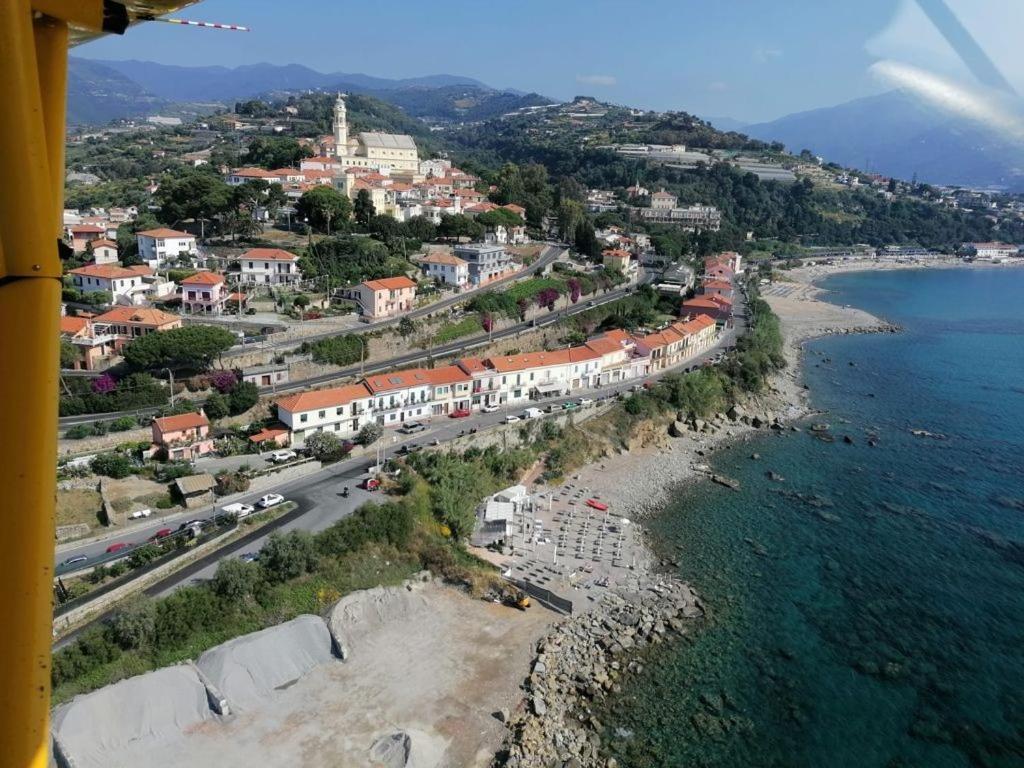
(100, 91)
(897, 134)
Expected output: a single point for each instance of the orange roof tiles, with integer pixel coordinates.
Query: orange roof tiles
(386, 382)
(442, 257)
(164, 232)
(181, 421)
(510, 363)
(111, 271)
(73, 325)
(473, 365)
(324, 398)
(102, 242)
(142, 315)
(449, 374)
(269, 254)
(390, 284)
(203, 278)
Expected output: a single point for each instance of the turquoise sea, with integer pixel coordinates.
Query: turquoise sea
(868, 610)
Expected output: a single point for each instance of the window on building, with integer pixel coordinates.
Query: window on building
(304, 417)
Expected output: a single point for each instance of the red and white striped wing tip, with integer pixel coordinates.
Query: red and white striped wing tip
(208, 24)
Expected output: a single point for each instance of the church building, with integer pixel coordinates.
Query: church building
(391, 153)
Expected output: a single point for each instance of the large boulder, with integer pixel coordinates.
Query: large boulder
(678, 429)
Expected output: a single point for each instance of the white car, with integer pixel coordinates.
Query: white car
(270, 500)
(238, 509)
(140, 513)
(490, 408)
(585, 401)
(279, 457)
(511, 419)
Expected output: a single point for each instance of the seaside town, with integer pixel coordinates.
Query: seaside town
(371, 391)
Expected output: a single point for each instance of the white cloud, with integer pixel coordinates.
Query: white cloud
(605, 81)
(767, 54)
(717, 86)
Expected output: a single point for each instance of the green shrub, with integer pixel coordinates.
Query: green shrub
(114, 465)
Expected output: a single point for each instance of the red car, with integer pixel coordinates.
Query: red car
(461, 413)
(370, 484)
(116, 547)
(162, 533)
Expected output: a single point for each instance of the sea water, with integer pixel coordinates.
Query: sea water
(868, 609)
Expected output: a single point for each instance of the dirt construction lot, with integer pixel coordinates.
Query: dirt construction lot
(436, 672)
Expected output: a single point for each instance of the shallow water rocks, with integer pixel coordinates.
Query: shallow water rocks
(581, 661)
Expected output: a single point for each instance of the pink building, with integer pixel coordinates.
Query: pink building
(204, 293)
(387, 297)
(183, 437)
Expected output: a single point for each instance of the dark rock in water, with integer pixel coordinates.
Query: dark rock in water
(852, 364)
(819, 427)
(871, 394)
(775, 477)
(847, 439)
(926, 433)
(872, 442)
(755, 456)
(828, 517)
(728, 482)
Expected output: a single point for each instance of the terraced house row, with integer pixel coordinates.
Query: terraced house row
(473, 384)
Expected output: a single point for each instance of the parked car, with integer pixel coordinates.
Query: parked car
(140, 513)
(460, 413)
(238, 509)
(76, 560)
(370, 484)
(270, 500)
(412, 428)
(584, 402)
(490, 408)
(532, 413)
(279, 457)
(118, 547)
(511, 419)
(161, 534)
(249, 557)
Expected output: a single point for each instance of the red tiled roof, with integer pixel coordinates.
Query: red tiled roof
(161, 232)
(385, 382)
(390, 284)
(111, 271)
(449, 374)
(73, 325)
(182, 421)
(203, 278)
(323, 398)
(88, 228)
(473, 365)
(103, 242)
(268, 433)
(141, 315)
(509, 363)
(442, 257)
(269, 254)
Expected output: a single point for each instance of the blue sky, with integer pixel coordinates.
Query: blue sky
(747, 59)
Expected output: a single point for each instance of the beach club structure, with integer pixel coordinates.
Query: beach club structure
(472, 384)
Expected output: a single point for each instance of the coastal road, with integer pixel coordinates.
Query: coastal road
(325, 510)
(458, 347)
(319, 498)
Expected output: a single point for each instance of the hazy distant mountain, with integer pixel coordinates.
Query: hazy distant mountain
(727, 123)
(99, 94)
(101, 91)
(896, 134)
(180, 83)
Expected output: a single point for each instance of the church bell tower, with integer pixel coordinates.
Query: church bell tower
(340, 126)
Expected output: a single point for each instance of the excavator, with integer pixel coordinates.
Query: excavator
(35, 36)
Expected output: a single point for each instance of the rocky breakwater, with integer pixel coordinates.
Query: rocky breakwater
(880, 327)
(578, 664)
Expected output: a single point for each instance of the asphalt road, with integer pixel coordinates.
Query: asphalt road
(461, 346)
(317, 494)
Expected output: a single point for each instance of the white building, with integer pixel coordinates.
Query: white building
(123, 283)
(269, 266)
(994, 250)
(157, 246)
(446, 268)
(401, 396)
(341, 411)
(394, 152)
(104, 251)
(536, 375)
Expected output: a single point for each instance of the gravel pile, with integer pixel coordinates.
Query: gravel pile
(250, 668)
(157, 707)
(360, 614)
(578, 664)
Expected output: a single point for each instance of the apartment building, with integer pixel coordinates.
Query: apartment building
(341, 411)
